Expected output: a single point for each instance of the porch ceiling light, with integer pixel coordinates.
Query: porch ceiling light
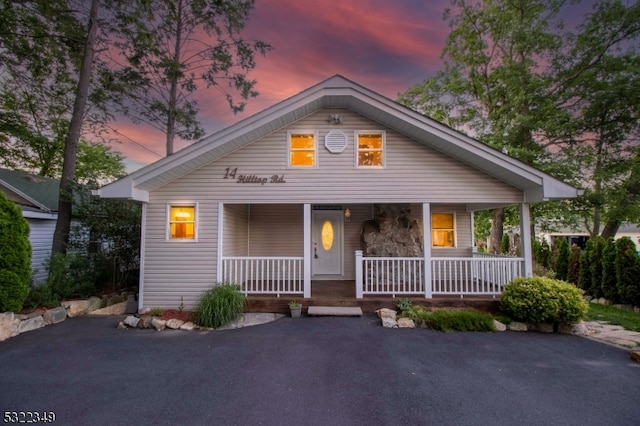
(347, 214)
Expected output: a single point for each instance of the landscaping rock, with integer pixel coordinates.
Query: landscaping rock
(8, 325)
(131, 321)
(389, 323)
(30, 315)
(517, 326)
(117, 309)
(94, 304)
(386, 313)
(174, 323)
(76, 308)
(31, 324)
(579, 329)
(499, 326)
(122, 326)
(158, 324)
(406, 323)
(542, 328)
(55, 315)
(145, 322)
(635, 355)
(188, 326)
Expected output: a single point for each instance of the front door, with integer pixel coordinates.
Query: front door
(326, 240)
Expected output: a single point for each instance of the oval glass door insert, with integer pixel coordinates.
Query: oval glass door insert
(327, 235)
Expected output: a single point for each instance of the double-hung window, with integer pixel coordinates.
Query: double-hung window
(370, 148)
(443, 233)
(181, 222)
(302, 149)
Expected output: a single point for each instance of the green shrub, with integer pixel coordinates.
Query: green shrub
(71, 276)
(404, 305)
(15, 256)
(543, 300)
(573, 273)
(562, 260)
(584, 282)
(599, 244)
(459, 320)
(608, 280)
(627, 267)
(505, 244)
(219, 305)
(42, 295)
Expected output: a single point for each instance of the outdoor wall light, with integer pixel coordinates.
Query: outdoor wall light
(347, 215)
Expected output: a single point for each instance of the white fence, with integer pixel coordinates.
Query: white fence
(393, 275)
(265, 275)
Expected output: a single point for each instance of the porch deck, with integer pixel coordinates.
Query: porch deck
(342, 293)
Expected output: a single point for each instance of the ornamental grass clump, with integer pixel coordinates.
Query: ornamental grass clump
(543, 300)
(219, 305)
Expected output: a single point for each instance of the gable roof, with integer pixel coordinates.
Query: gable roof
(30, 191)
(339, 92)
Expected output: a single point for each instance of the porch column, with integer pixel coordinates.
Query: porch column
(143, 237)
(426, 230)
(525, 239)
(307, 251)
(358, 274)
(219, 276)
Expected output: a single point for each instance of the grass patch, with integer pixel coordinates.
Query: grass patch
(452, 319)
(630, 320)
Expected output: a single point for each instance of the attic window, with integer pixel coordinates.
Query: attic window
(302, 149)
(370, 148)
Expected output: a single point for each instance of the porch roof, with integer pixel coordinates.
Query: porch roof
(339, 92)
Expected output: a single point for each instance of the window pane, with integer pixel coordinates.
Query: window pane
(302, 158)
(303, 141)
(370, 158)
(182, 230)
(442, 238)
(442, 221)
(370, 141)
(327, 235)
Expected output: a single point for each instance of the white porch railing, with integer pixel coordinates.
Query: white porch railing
(461, 276)
(265, 275)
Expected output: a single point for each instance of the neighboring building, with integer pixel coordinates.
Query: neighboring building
(580, 237)
(336, 183)
(37, 197)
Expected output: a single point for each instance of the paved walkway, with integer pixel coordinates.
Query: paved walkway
(613, 334)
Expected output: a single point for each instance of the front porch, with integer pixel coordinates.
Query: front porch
(342, 293)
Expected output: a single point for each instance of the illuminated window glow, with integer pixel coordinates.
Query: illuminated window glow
(370, 146)
(327, 235)
(442, 230)
(302, 149)
(182, 222)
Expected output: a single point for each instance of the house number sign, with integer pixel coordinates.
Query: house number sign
(232, 173)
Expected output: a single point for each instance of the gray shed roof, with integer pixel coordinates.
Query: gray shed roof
(339, 92)
(29, 190)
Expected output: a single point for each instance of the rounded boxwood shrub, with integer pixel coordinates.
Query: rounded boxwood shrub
(15, 256)
(543, 300)
(219, 305)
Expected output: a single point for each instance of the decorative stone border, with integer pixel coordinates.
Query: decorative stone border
(13, 324)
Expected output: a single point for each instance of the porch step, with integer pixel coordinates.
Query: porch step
(335, 311)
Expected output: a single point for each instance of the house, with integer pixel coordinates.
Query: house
(580, 237)
(337, 184)
(37, 197)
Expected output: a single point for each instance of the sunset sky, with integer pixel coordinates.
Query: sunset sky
(384, 45)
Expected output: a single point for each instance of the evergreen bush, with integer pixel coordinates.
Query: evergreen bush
(595, 289)
(543, 300)
(505, 244)
(573, 273)
(627, 265)
(562, 260)
(609, 280)
(15, 256)
(584, 281)
(219, 305)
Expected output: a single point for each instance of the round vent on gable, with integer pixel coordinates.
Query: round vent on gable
(335, 141)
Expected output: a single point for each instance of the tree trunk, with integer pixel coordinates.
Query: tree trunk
(174, 77)
(65, 202)
(495, 237)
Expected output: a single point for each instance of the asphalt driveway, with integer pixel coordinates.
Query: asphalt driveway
(315, 371)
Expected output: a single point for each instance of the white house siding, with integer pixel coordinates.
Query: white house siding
(276, 230)
(413, 173)
(41, 237)
(236, 230)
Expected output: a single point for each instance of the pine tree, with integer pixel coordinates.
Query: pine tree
(627, 267)
(596, 267)
(609, 280)
(584, 282)
(573, 273)
(562, 260)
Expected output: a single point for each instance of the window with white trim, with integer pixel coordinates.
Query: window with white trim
(182, 222)
(302, 148)
(370, 148)
(443, 232)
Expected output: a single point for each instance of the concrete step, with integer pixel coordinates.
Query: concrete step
(335, 311)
